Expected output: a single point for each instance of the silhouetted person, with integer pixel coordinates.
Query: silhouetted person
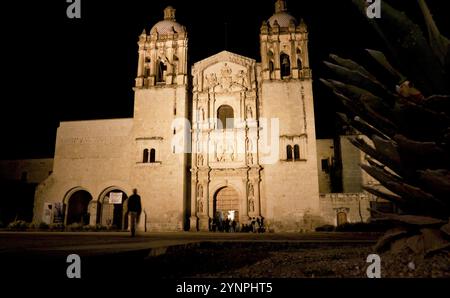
(134, 209)
(233, 226)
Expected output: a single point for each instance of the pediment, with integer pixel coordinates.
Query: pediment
(223, 56)
(224, 72)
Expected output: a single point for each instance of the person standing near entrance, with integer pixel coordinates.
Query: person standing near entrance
(134, 209)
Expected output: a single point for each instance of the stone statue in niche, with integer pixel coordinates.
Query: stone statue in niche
(249, 151)
(201, 113)
(251, 191)
(200, 160)
(200, 206)
(251, 205)
(226, 79)
(249, 112)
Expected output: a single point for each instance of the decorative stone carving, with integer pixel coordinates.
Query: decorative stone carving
(241, 78)
(224, 152)
(211, 80)
(250, 160)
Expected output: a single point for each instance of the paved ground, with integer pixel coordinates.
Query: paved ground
(153, 255)
(98, 243)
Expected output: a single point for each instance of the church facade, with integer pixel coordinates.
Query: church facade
(226, 137)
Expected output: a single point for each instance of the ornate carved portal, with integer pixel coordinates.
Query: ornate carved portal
(226, 161)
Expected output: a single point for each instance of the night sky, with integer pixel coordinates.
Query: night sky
(56, 69)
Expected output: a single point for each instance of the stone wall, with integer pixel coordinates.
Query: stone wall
(325, 153)
(91, 156)
(354, 205)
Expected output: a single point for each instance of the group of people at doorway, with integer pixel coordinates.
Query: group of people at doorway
(221, 224)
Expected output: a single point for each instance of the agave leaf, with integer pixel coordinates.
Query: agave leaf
(433, 241)
(417, 155)
(386, 147)
(436, 182)
(413, 220)
(423, 201)
(353, 66)
(391, 235)
(446, 228)
(364, 104)
(383, 61)
(409, 48)
(361, 80)
(369, 150)
(438, 103)
(380, 175)
(439, 43)
(382, 194)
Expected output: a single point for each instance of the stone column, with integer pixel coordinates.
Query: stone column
(305, 51)
(92, 213)
(277, 72)
(244, 209)
(203, 222)
(193, 220)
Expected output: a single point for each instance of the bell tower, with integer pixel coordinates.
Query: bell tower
(160, 114)
(163, 53)
(284, 46)
(290, 184)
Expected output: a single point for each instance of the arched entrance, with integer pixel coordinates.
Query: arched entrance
(113, 215)
(226, 204)
(77, 209)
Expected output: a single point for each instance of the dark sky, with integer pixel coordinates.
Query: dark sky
(57, 69)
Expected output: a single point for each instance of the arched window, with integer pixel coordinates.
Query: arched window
(145, 156)
(152, 155)
(296, 152)
(285, 63)
(225, 117)
(161, 71)
(299, 59)
(289, 152)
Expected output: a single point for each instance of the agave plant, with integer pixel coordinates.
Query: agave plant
(407, 120)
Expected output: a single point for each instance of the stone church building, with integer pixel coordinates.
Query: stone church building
(225, 137)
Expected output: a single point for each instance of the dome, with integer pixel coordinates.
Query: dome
(169, 24)
(165, 27)
(283, 19)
